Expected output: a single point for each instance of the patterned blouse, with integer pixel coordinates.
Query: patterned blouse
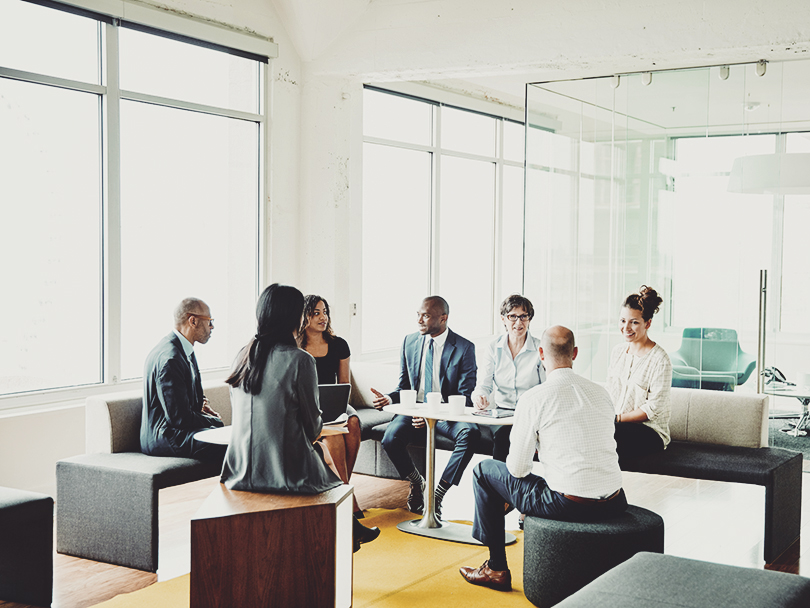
(642, 382)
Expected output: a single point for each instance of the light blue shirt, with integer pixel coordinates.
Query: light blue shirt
(501, 379)
(188, 347)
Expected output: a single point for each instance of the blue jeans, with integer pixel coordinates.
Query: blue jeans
(401, 432)
(494, 485)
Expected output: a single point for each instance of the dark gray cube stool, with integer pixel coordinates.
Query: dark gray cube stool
(649, 579)
(26, 547)
(561, 557)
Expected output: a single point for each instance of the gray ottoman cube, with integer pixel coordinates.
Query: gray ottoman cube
(648, 579)
(26, 547)
(561, 557)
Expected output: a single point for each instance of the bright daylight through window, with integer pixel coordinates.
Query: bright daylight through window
(442, 214)
(88, 296)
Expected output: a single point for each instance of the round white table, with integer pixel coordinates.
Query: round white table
(430, 525)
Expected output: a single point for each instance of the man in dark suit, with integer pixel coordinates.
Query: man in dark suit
(174, 407)
(452, 359)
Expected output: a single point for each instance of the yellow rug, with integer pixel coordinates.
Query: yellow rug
(397, 569)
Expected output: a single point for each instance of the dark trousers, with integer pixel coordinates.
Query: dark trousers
(209, 452)
(494, 485)
(635, 440)
(500, 441)
(401, 432)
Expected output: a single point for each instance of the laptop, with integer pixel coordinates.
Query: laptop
(333, 399)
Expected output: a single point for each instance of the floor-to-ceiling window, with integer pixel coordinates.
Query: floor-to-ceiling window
(442, 214)
(130, 178)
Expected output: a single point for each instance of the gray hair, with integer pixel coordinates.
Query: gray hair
(189, 306)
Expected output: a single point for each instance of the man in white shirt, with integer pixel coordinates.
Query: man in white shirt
(569, 421)
(435, 359)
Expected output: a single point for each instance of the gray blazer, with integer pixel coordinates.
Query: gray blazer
(271, 446)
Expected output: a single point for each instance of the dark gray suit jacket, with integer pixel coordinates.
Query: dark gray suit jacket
(172, 402)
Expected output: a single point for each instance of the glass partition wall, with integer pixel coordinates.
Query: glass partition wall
(631, 180)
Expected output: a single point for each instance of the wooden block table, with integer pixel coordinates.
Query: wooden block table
(267, 550)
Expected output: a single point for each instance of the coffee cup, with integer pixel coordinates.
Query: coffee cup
(407, 398)
(457, 403)
(434, 402)
(803, 379)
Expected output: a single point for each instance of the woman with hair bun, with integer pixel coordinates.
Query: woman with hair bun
(639, 380)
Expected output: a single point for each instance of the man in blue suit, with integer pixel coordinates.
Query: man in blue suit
(435, 359)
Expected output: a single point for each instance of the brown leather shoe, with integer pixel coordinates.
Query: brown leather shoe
(501, 580)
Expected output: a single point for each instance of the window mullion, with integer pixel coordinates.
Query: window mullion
(111, 176)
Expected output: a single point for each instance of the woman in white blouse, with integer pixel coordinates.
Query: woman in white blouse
(639, 381)
(510, 367)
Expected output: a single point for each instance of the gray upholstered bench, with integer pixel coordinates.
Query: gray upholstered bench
(649, 579)
(107, 499)
(26, 547)
(724, 437)
(561, 557)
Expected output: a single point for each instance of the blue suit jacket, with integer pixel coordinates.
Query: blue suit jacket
(457, 370)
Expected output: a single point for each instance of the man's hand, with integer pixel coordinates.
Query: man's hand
(206, 409)
(380, 400)
(481, 402)
(418, 422)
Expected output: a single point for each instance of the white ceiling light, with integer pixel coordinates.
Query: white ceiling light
(771, 174)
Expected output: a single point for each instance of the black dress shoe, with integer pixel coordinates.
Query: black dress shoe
(362, 534)
(416, 498)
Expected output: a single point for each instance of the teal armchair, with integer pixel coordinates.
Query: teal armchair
(710, 358)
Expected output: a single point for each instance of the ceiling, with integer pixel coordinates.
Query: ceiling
(483, 49)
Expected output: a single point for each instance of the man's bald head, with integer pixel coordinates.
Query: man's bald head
(557, 347)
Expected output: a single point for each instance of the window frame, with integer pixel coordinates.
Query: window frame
(436, 151)
(184, 29)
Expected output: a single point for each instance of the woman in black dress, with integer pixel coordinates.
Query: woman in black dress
(331, 355)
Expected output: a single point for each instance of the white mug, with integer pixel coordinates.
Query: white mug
(803, 379)
(408, 398)
(457, 403)
(434, 402)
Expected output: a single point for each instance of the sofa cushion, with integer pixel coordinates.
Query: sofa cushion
(649, 579)
(20, 507)
(166, 471)
(384, 377)
(714, 462)
(721, 418)
(113, 422)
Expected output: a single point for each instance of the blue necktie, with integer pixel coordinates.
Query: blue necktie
(429, 369)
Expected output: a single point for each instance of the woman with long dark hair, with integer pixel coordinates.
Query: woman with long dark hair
(331, 355)
(276, 415)
(639, 380)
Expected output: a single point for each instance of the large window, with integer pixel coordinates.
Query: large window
(442, 214)
(125, 186)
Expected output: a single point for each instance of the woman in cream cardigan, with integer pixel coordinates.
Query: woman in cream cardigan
(639, 380)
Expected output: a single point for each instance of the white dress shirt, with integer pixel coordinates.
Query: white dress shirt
(569, 421)
(642, 382)
(438, 347)
(503, 380)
